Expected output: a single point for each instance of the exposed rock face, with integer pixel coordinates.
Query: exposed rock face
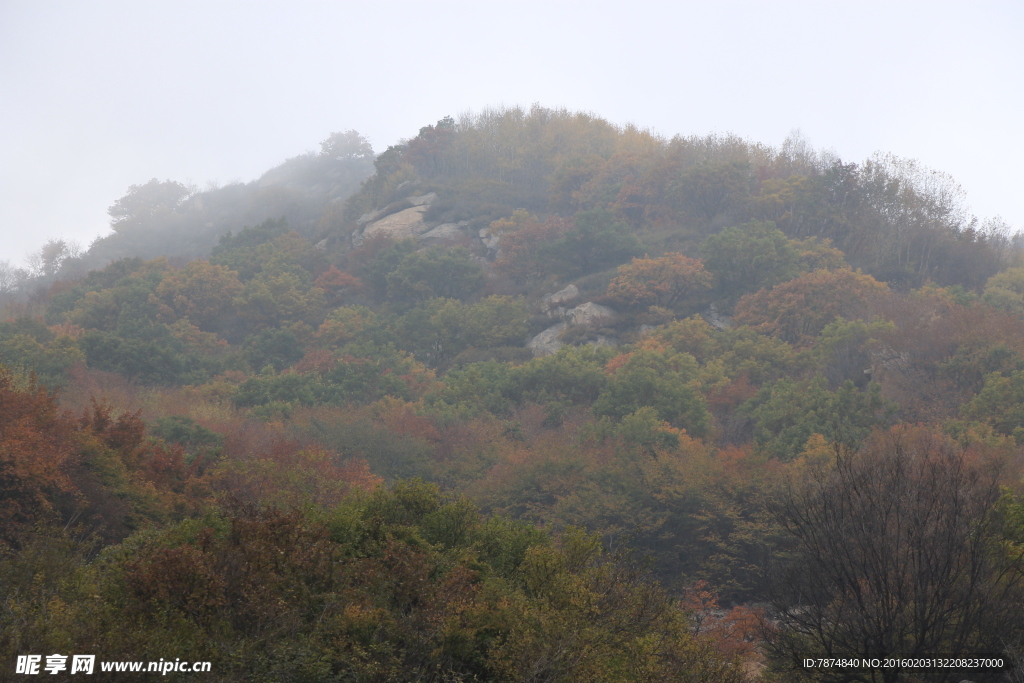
(446, 232)
(547, 342)
(586, 314)
(407, 223)
(716, 319)
(559, 297)
(369, 217)
(590, 315)
(490, 241)
(398, 225)
(423, 199)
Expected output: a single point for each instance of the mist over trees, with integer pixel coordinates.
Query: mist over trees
(527, 396)
(169, 218)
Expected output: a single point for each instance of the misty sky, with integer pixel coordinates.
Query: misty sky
(96, 96)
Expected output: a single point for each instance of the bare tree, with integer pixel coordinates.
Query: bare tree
(11, 278)
(895, 552)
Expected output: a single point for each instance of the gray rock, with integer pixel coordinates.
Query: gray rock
(547, 342)
(556, 312)
(590, 314)
(321, 245)
(644, 329)
(368, 217)
(407, 223)
(716, 319)
(560, 297)
(423, 199)
(490, 239)
(445, 232)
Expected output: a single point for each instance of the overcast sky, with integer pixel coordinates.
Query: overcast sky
(97, 96)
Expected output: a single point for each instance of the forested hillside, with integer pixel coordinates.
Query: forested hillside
(545, 399)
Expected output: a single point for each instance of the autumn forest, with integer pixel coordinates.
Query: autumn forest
(527, 397)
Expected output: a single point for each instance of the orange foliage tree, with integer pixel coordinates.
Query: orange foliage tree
(36, 451)
(337, 284)
(100, 470)
(797, 310)
(662, 281)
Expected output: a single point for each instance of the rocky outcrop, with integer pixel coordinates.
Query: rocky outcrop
(586, 314)
(446, 232)
(547, 342)
(369, 217)
(407, 223)
(398, 225)
(553, 301)
(716, 319)
(423, 199)
(491, 241)
(590, 314)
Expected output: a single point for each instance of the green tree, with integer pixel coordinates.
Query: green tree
(710, 189)
(145, 201)
(1006, 290)
(572, 376)
(197, 440)
(1000, 403)
(50, 362)
(447, 273)
(665, 381)
(348, 145)
(202, 292)
(597, 241)
(240, 252)
(786, 413)
(273, 299)
(442, 328)
(746, 258)
(276, 347)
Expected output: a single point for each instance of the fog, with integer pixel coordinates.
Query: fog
(99, 96)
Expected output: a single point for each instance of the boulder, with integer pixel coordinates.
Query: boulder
(489, 239)
(560, 297)
(590, 314)
(716, 319)
(547, 342)
(407, 223)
